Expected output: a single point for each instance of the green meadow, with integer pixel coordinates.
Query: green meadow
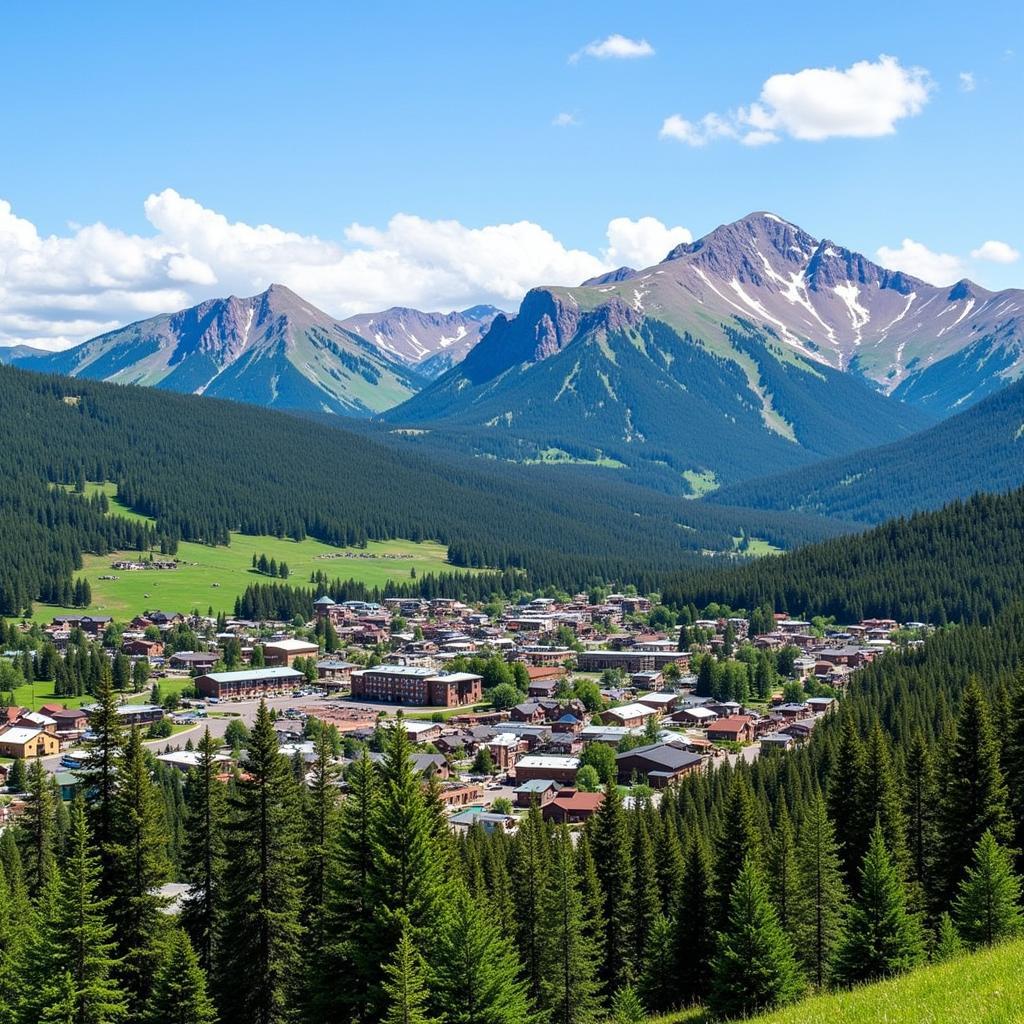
(214, 576)
(983, 988)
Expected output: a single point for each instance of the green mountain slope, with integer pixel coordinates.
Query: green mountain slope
(981, 449)
(273, 349)
(202, 468)
(718, 401)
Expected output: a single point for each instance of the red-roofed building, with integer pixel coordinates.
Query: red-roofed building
(571, 806)
(735, 728)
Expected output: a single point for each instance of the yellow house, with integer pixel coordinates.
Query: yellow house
(25, 743)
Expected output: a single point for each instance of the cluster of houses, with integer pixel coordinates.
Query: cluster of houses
(658, 729)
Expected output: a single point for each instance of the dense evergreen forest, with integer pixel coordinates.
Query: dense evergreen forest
(981, 449)
(885, 840)
(964, 562)
(202, 468)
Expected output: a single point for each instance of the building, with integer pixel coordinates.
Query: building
(186, 760)
(735, 729)
(282, 653)
(543, 791)
(194, 661)
(248, 683)
(630, 661)
(418, 732)
(409, 684)
(664, 701)
(547, 766)
(335, 674)
(505, 749)
(660, 764)
(630, 716)
(570, 806)
(25, 742)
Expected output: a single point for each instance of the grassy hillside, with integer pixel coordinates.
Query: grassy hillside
(215, 575)
(984, 988)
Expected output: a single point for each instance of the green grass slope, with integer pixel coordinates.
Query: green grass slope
(983, 988)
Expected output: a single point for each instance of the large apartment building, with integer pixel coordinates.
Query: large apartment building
(408, 684)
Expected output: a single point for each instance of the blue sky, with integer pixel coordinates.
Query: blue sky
(315, 117)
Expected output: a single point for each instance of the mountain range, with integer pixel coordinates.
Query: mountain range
(430, 342)
(272, 349)
(756, 348)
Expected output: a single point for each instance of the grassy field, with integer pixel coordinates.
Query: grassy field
(984, 988)
(34, 696)
(215, 576)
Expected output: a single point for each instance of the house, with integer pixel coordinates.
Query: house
(134, 714)
(570, 806)
(542, 688)
(822, 705)
(530, 711)
(665, 702)
(418, 732)
(194, 661)
(777, 741)
(541, 791)
(25, 742)
(143, 648)
(70, 720)
(735, 729)
(567, 724)
(248, 683)
(37, 720)
(547, 766)
(630, 716)
(282, 653)
(505, 749)
(487, 820)
(651, 679)
(660, 764)
(335, 674)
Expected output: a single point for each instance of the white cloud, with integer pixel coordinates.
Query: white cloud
(865, 100)
(564, 120)
(967, 82)
(61, 289)
(615, 47)
(641, 243)
(995, 252)
(918, 260)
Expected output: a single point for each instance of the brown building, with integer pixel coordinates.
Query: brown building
(660, 764)
(571, 806)
(547, 766)
(282, 653)
(407, 684)
(248, 683)
(735, 728)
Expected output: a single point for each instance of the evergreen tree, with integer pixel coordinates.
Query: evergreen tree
(475, 970)
(843, 797)
(570, 990)
(820, 905)
(882, 938)
(609, 840)
(695, 918)
(948, 943)
(81, 951)
(404, 882)
(627, 1007)
(138, 866)
(879, 799)
(99, 772)
(785, 885)
(348, 910)
(17, 780)
(754, 969)
(646, 900)
(739, 838)
(405, 986)
(203, 855)
(921, 799)
(258, 945)
(179, 987)
(987, 906)
(974, 799)
(530, 866)
(38, 827)
(318, 825)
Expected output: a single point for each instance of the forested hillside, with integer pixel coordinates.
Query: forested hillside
(963, 562)
(981, 449)
(202, 468)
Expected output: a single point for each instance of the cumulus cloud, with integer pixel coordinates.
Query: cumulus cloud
(614, 47)
(917, 259)
(61, 289)
(641, 243)
(995, 252)
(564, 120)
(865, 100)
(967, 82)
